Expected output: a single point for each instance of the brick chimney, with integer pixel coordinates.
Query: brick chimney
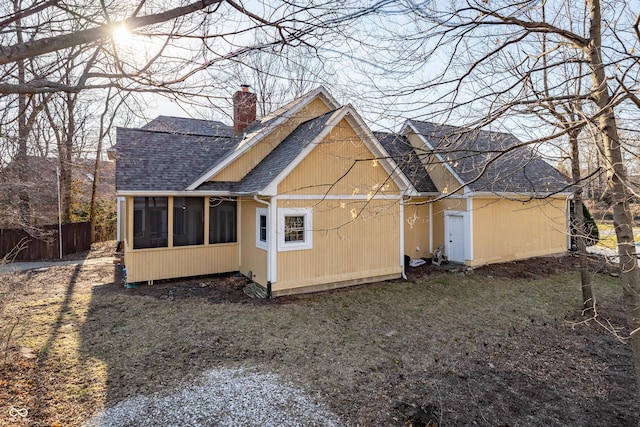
(244, 109)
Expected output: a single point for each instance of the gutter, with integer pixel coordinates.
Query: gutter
(519, 196)
(269, 254)
(182, 193)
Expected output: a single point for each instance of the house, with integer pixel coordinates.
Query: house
(43, 192)
(309, 198)
(499, 200)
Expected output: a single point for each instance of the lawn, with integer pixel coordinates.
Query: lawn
(447, 348)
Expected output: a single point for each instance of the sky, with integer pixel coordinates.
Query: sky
(366, 70)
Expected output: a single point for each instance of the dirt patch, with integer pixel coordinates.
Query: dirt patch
(534, 268)
(528, 380)
(215, 289)
(448, 349)
(228, 288)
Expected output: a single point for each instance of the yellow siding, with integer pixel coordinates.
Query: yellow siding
(454, 204)
(343, 248)
(249, 160)
(331, 168)
(252, 258)
(417, 143)
(128, 240)
(506, 230)
(416, 229)
(167, 263)
(443, 179)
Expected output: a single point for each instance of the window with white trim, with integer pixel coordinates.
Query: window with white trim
(261, 228)
(294, 229)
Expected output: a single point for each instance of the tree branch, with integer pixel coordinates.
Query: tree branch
(533, 26)
(38, 47)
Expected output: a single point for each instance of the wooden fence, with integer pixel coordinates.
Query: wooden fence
(43, 243)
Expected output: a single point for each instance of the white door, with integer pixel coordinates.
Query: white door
(454, 242)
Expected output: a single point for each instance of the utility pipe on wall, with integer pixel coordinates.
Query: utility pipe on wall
(404, 275)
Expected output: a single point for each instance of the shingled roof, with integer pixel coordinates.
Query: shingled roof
(187, 126)
(173, 154)
(407, 160)
(164, 161)
(491, 161)
(153, 160)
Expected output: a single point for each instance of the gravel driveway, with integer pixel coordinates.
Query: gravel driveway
(226, 397)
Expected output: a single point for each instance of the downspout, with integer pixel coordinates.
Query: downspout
(431, 228)
(264, 202)
(404, 276)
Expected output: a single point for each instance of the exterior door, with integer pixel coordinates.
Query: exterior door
(454, 245)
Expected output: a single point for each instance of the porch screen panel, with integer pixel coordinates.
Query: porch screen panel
(222, 221)
(150, 227)
(188, 221)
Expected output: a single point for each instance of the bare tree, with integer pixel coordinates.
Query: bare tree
(568, 116)
(112, 104)
(477, 44)
(182, 41)
(278, 75)
(51, 53)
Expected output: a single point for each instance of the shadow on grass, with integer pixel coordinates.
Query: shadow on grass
(53, 351)
(152, 338)
(65, 307)
(457, 350)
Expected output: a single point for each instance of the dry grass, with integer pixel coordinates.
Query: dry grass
(359, 350)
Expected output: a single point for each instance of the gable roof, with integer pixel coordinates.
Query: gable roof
(494, 162)
(153, 161)
(276, 161)
(407, 160)
(264, 178)
(255, 132)
(378, 152)
(155, 158)
(189, 126)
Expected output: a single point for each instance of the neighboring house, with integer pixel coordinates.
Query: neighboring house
(308, 198)
(43, 191)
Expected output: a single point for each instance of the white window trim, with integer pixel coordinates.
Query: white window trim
(259, 243)
(308, 227)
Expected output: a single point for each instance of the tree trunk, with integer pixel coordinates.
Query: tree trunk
(22, 160)
(616, 176)
(94, 189)
(579, 226)
(67, 160)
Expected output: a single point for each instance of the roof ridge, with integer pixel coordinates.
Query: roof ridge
(176, 132)
(465, 128)
(189, 118)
